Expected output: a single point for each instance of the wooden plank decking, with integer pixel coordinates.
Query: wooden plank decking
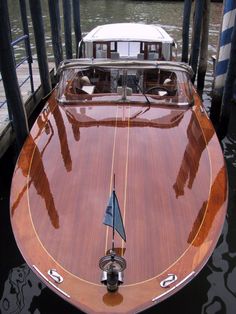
(27, 97)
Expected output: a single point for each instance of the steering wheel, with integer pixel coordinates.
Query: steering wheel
(156, 89)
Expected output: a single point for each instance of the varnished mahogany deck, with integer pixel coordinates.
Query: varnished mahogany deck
(171, 186)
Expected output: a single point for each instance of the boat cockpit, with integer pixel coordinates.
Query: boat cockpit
(131, 81)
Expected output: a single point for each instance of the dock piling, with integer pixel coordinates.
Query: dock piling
(77, 27)
(229, 95)
(222, 60)
(185, 32)
(203, 58)
(197, 26)
(67, 28)
(54, 13)
(37, 20)
(9, 77)
(27, 42)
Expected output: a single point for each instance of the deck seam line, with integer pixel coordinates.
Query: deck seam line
(112, 170)
(126, 177)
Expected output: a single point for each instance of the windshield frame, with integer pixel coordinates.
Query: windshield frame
(181, 71)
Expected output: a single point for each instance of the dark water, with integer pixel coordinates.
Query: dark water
(214, 289)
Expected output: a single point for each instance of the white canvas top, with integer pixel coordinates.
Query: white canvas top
(128, 32)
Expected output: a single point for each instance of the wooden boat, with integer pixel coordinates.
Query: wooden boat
(144, 122)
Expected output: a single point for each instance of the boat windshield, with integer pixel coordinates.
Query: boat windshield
(156, 82)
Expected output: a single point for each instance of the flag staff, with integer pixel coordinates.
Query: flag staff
(113, 214)
(112, 265)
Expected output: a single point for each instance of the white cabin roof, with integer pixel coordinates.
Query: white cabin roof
(128, 32)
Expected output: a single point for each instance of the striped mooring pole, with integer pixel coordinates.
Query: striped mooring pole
(224, 45)
(222, 60)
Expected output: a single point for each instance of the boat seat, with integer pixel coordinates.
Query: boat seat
(170, 85)
(140, 56)
(89, 89)
(153, 56)
(120, 90)
(101, 54)
(115, 55)
(74, 92)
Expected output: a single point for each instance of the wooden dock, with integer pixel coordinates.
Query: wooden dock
(30, 100)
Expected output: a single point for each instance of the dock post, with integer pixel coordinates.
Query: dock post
(196, 37)
(185, 32)
(229, 95)
(54, 13)
(67, 28)
(202, 68)
(9, 77)
(77, 27)
(222, 59)
(37, 20)
(27, 42)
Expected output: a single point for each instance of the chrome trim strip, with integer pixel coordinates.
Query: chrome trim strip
(119, 64)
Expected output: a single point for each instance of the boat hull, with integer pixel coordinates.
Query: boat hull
(171, 184)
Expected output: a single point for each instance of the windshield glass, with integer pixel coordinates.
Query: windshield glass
(139, 84)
